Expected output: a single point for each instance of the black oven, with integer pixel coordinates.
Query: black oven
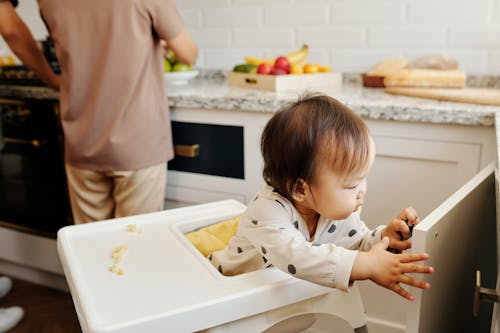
(33, 191)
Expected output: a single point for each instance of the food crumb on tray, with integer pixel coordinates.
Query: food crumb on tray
(117, 256)
(133, 228)
(118, 253)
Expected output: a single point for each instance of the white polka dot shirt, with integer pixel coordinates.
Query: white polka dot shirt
(272, 233)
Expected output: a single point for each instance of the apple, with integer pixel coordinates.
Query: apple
(170, 55)
(282, 63)
(167, 66)
(279, 71)
(181, 67)
(264, 68)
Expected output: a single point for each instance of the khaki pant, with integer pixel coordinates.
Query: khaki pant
(97, 196)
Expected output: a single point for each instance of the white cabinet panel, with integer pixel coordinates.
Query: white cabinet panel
(460, 236)
(418, 173)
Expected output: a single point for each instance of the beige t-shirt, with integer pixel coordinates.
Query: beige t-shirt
(113, 103)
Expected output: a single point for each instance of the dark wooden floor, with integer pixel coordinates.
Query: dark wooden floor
(46, 310)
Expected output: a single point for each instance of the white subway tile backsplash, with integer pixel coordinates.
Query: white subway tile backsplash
(493, 64)
(226, 58)
(231, 17)
(481, 37)
(211, 38)
(270, 37)
(449, 11)
(349, 35)
(398, 36)
(261, 2)
(202, 3)
(359, 61)
(362, 13)
(318, 56)
(472, 62)
(332, 36)
(296, 15)
(192, 18)
(496, 12)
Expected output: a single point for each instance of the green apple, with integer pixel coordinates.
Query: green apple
(181, 67)
(167, 66)
(170, 55)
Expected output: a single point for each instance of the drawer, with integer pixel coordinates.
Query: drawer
(208, 149)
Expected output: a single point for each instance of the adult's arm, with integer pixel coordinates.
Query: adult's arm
(184, 47)
(20, 40)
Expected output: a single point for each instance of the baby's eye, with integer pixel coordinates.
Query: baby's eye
(351, 187)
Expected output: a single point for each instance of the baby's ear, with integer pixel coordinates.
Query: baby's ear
(299, 191)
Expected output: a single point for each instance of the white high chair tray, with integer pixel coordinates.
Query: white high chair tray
(167, 285)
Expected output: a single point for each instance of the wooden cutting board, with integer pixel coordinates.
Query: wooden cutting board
(483, 96)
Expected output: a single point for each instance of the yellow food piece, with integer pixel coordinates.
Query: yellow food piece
(388, 67)
(298, 57)
(435, 78)
(297, 69)
(311, 68)
(118, 253)
(214, 237)
(324, 69)
(132, 228)
(257, 61)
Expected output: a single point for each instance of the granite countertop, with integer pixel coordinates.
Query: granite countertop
(210, 91)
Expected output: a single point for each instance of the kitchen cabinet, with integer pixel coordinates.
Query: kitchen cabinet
(417, 164)
(197, 187)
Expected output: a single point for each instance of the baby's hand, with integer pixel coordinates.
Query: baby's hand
(388, 270)
(399, 230)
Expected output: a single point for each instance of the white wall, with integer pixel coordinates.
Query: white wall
(349, 35)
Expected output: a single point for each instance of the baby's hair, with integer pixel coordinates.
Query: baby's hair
(298, 136)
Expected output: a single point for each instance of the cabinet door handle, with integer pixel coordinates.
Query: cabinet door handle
(33, 143)
(483, 294)
(190, 151)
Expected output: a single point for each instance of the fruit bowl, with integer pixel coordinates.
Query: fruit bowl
(180, 78)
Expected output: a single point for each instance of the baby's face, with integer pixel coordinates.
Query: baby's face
(338, 196)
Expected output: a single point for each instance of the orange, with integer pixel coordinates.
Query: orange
(311, 68)
(297, 69)
(325, 69)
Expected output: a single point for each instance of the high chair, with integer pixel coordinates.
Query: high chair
(141, 274)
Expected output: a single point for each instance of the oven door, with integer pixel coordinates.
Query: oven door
(33, 192)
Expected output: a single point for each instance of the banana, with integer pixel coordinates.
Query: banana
(298, 57)
(257, 61)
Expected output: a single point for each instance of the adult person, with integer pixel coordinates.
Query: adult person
(113, 104)
(20, 40)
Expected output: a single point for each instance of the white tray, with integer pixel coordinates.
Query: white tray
(167, 285)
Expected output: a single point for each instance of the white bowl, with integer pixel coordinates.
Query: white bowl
(179, 78)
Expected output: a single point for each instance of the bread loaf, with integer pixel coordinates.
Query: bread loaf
(388, 67)
(434, 61)
(426, 78)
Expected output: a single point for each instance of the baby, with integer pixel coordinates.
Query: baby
(305, 221)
